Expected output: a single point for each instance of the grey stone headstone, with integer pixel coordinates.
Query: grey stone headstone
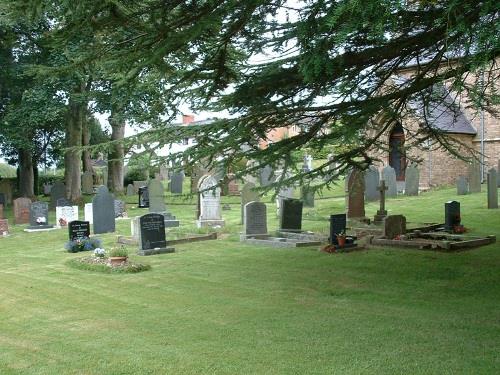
(143, 197)
(6, 188)
(210, 208)
(103, 211)
(355, 197)
(462, 185)
(156, 196)
(412, 180)
(46, 189)
(176, 182)
(139, 184)
(78, 230)
(492, 188)
(255, 220)
(389, 175)
(291, 215)
(372, 180)
(62, 202)
(474, 177)
(119, 208)
(248, 194)
(58, 191)
(498, 173)
(163, 173)
(307, 194)
(39, 215)
(394, 225)
(266, 176)
(151, 232)
(87, 183)
(451, 215)
(130, 190)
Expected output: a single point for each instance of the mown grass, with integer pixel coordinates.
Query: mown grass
(222, 307)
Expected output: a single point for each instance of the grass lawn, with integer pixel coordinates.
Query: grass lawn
(221, 307)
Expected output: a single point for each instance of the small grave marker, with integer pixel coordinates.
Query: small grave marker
(291, 215)
(78, 230)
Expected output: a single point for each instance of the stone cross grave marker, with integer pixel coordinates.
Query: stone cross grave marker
(394, 225)
(143, 197)
(4, 227)
(22, 210)
(58, 191)
(338, 225)
(462, 186)
(65, 215)
(291, 215)
(103, 211)
(87, 183)
(492, 188)
(176, 182)
(355, 194)
(151, 233)
(372, 178)
(412, 180)
(451, 215)
(382, 212)
(78, 230)
(248, 194)
(389, 175)
(39, 216)
(474, 177)
(255, 219)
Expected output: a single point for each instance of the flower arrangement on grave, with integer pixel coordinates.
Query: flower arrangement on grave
(62, 222)
(118, 255)
(83, 244)
(41, 220)
(99, 253)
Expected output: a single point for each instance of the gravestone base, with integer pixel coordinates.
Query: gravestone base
(39, 228)
(163, 250)
(302, 235)
(170, 220)
(267, 240)
(209, 223)
(380, 216)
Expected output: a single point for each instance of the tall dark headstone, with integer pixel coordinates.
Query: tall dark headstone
(412, 180)
(355, 194)
(255, 220)
(291, 215)
(372, 178)
(39, 216)
(389, 176)
(103, 211)
(151, 233)
(156, 192)
(474, 177)
(394, 226)
(58, 191)
(78, 230)
(3, 201)
(492, 188)
(451, 215)
(338, 225)
(143, 197)
(176, 182)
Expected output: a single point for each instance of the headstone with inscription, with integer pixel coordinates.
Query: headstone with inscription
(103, 211)
(389, 176)
(355, 196)
(452, 216)
(412, 180)
(176, 182)
(338, 225)
(58, 191)
(209, 200)
(394, 226)
(39, 216)
(65, 215)
(462, 186)
(291, 215)
(78, 230)
(21, 210)
(87, 183)
(474, 177)
(372, 178)
(248, 194)
(492, 188)
(152, 235)
(255, 219)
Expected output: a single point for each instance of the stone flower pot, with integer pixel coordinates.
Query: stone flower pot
(117, 261)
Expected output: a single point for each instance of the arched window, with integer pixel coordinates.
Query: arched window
(397, 157)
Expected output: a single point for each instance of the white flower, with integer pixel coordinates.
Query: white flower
(100, 253)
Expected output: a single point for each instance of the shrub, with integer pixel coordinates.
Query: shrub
(84, 244)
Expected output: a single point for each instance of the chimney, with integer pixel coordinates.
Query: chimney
(187, 119)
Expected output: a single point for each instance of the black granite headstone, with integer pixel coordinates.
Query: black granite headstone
(337, 226)
(2, 199)
(152, 232)
(103, 211)
(58, 191)
(451, 215)
(78, 230)
(143, 197)
(176, 182)
(291, 215)
(61, 202)
(39, 216)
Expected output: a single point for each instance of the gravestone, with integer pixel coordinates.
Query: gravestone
(78, 230)
(412, 180)
(291, 215)
(21, 210)
(233, 187)
(355, 194)
(389, 176)
(382, 212)
(58, 191)
(151, 234)
(248, 194)
(163, 173)
(197, 173)
(209, 201)
(451, 215)
(492, 188)
(39, 216)
(88, 214)
(462, 186)
(6, 189)
(266, 176)
(250, 176)
(139, 184)
(143, 197)
(394, 225)
(3, 201)
(65, 215)
(61, 202)
(285, 192)
(47, 189)
(120, 210)
(1, 211)
(307, 194)
(474, 177)
(372, 179)
(156, 194)
(498, 173)
(255, 219)
(338, 225)
(4, 227)
(176, 182)
(103, 211)
(130, 190)
(87, 183)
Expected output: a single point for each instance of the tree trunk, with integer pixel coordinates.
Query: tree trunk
(77, 110)
(86, 159)
(117, 153)
(26, 176)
